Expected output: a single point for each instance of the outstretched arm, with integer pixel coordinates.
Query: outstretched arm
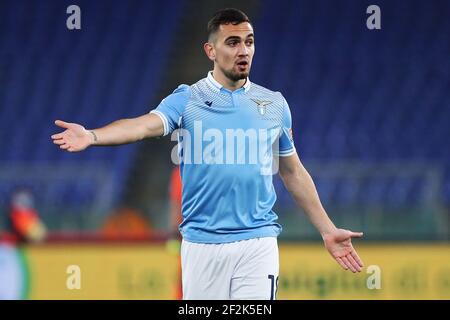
(301, 186)
(77, 138)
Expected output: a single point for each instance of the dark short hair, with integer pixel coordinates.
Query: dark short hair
(226, 16)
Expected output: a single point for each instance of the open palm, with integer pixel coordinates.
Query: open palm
(339, 245)
(74, 138)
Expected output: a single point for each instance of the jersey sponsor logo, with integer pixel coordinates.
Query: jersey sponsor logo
(261, 104)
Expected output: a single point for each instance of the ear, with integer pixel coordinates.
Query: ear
(210, 51)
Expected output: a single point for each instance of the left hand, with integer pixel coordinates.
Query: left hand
(339, 245)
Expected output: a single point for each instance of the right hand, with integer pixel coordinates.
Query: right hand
(74, 138)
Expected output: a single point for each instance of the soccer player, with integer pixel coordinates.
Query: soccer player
(230, 131)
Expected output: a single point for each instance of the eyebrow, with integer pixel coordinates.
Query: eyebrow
(238, 38)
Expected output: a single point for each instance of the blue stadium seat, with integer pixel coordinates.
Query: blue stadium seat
(107, 70)
(370, 96)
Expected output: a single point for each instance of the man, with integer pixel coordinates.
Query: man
(229, 248)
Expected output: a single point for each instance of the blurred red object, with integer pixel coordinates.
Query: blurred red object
(24, 218)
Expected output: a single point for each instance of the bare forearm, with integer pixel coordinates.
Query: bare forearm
(76, 138)
(115, 133)
(125, 131)
(301, 186)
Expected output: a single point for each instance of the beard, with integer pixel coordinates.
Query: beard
(236, 75)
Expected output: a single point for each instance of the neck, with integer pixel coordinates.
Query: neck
(226, 82)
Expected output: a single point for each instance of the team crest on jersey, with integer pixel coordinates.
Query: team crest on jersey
(261, 105)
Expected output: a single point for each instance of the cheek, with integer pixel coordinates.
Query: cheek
(225, 57)
(251, 52)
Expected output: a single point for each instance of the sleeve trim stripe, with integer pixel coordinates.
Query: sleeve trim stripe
(164, 120)
(285, 153)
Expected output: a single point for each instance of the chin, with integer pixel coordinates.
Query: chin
(240, 75)
(244, 75)
(237, 75)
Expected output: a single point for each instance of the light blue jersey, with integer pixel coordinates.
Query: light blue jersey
(227, 140)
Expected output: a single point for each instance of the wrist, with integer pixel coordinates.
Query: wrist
(93, 139)
(327, 231)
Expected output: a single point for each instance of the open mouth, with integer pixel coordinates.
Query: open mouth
(242, 65)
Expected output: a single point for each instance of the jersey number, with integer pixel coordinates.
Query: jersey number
(273, 286)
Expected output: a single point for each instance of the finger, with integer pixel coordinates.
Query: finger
(59, 141)
(354, 263)
(357, 258)
(64, 146)
(339, 260)
(57, 136)
(356, 234)
(62, 124)
(348, 264)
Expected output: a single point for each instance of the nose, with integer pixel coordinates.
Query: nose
(243, 50)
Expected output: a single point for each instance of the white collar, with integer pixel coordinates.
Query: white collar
(218, 86)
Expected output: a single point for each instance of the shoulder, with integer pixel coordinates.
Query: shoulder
(182, 90)
(259, 90)
(179, 97)
(201, 86)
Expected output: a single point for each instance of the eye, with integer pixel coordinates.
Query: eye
(232, 43)
(249, 42)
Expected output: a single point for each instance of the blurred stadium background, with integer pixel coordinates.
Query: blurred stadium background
(371, 114)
